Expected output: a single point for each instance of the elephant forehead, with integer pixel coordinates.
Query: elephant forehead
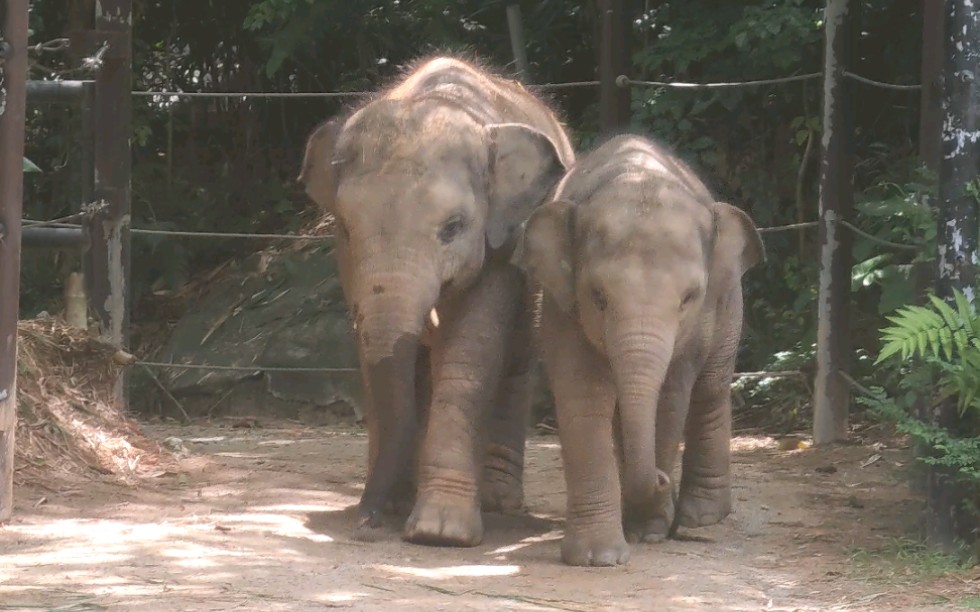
(634, 225)
(395, 190)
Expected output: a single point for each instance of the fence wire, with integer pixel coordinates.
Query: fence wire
(63, 222)
(255, 369)
(188, 234)
(622, 81)
(233, 368)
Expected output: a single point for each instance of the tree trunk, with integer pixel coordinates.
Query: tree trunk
(948, 520)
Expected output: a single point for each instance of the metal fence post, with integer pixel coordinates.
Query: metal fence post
(832, 398)
(110, 234)
(13, 102)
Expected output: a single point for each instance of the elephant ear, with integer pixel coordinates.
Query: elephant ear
(524, 166)
(319, 172)
(544, 251)
(737, 239)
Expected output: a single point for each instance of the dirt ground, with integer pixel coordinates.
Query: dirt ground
(258, 518)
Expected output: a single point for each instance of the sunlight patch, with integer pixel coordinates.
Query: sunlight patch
(546, 537)
(274, 524)
(454, 571)
(343, 596)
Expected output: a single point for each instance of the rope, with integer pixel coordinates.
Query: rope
(881, 241)
(227, 368)
(881, 84)
(791, 226)
(848, 225)
(88, 210)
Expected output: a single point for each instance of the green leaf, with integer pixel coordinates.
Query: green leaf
(30, 166)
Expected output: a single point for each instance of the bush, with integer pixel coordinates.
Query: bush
(936, 349)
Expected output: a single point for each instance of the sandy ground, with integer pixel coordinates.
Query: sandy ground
(259, 519)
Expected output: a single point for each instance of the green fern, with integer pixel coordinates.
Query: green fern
(919, 331)
(939, 342)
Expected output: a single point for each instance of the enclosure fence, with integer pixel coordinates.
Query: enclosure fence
(622, 81)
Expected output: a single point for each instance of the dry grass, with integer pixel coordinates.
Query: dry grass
(67, 423)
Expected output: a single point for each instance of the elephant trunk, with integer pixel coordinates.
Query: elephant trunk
(639, 351)
(390, 319)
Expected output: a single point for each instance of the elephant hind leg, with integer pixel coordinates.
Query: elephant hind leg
(502, 489)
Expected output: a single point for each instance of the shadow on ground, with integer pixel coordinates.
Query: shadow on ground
(263, 519)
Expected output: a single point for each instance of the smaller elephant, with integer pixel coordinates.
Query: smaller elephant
(641, 319)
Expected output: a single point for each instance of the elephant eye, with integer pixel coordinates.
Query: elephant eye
(690, 297)
(451, 229)
(599, 299)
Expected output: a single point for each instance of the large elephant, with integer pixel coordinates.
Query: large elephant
(641, 319)
(427, 184)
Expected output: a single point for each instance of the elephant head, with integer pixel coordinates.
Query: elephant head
(423, 193)
(642, 265)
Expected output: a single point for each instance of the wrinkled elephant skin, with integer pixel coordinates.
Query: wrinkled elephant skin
(641, 318)
(427, 185)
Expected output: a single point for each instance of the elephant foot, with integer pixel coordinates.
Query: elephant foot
(438, 523)
(650, 531)
(502, 489)
(402, 500)
(502, 493)
(651, 522)
(703, 506)
(602, 548)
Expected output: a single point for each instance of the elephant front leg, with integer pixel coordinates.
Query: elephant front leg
(468, 358)
(585, 401)
(503, 470)
(403, 494)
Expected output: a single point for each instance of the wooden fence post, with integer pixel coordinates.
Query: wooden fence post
(931, 111)
(832, 398)
(515, 24)
(947, 518)
(108, 271)
(13, 102)
(614, 60)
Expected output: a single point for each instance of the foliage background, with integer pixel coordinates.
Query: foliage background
(229, 165)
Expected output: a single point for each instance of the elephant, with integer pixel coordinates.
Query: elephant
(640, 270)
(427, 184)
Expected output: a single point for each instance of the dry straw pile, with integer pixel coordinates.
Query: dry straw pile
(67, 424)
